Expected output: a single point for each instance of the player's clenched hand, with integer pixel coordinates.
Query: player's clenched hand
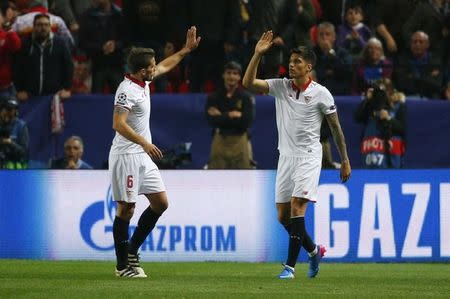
(264, 43)
(153, 151)
(346, 170)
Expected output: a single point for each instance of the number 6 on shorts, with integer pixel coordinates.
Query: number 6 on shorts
(130, 181)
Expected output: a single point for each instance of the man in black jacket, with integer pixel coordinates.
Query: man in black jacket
(230, 111)
(44, 65)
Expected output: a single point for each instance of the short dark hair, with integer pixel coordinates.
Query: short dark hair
(355, 6)
(139, 58)
(306, 53)
(40, 16)
(233, 65)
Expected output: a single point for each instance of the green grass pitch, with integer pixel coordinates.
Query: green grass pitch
(92, 279)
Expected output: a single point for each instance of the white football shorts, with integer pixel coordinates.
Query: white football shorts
(297, 177)
(133, 174)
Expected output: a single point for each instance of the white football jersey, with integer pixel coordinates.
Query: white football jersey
(134, 96)
(299, 114)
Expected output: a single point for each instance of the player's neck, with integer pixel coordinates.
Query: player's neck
(301, 81)
(137, 77)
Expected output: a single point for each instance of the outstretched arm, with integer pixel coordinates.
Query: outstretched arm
(339, 140)
(170, 62)
(249, 81)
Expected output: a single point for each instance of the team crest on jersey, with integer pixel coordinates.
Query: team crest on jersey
(122, 98)
(239, 104)
(307, 99)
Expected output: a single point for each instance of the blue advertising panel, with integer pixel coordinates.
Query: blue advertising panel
(377, 216)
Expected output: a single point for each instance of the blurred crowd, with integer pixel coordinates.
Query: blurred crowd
(384, 50)
(78, 46)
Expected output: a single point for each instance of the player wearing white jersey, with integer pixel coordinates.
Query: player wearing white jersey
(132, 170)
(301, 105)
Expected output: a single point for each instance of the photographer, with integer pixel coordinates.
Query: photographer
(13, 136)
(383, 112)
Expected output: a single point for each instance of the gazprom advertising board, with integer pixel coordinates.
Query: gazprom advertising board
(229, 216)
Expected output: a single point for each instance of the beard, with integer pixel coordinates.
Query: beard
(41, 37)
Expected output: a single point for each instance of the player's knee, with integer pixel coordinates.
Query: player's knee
(130, 212)
(283, 219)
(125, 210)
(162, 206)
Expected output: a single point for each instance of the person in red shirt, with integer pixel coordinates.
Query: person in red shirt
(9, 43)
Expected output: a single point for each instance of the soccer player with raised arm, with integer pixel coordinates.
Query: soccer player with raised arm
(130, 159)
(300, 105)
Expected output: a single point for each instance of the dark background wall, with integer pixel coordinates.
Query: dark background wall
(180, 118)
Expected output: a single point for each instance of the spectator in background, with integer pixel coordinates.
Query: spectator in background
(333, 11)
(82, 79)
(160, 25)
(446, 95)
(176, 77)
(24, 24)
(298, 16)
(372, 67)
(389, 18)
(334, 64)
(14, 137)
(265, 15)
(217, 23)
(418, 72)
(73, 152)
(10, 11)
(383, 113)
(9, 44)
(102, 37)
(353, 34)
(44, 65)
(145, 22)
(71, 11)
(430, 17)
(25, 5)
(230, 112)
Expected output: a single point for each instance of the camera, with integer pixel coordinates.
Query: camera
(379, 99)
(176, 157)
(4, 132)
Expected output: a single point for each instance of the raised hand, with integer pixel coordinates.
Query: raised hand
(192, 40)
(264, 43)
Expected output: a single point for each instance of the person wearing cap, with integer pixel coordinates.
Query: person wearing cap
(230, 112)
(14, 138)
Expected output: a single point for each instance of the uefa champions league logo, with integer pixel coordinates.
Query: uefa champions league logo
(97, 213)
